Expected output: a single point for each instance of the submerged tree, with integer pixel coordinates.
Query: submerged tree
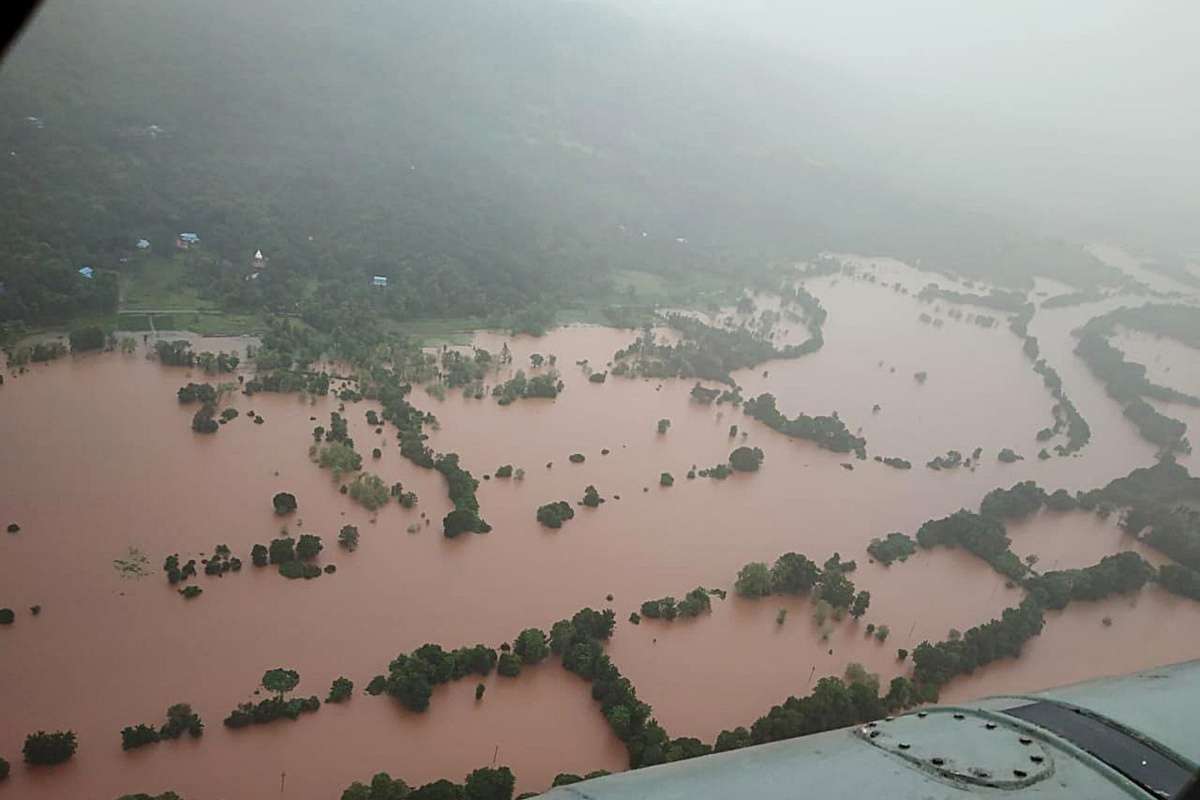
(746, 459)
(280, 681)
(49, 748)
(284, 503)
(753, 580)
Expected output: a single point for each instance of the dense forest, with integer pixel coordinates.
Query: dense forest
(561, 144)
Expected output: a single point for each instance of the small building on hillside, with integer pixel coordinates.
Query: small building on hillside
(87, 272)
(259, 260)
(379, 281)
(143, 244)
(186, 240)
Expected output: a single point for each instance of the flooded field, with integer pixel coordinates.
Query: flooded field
(1074, 540)
(101, 458)
(742, 661)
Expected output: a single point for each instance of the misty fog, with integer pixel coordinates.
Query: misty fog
(1078, 116)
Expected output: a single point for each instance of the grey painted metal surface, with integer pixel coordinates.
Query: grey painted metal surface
(938, 752)
(1162, 704)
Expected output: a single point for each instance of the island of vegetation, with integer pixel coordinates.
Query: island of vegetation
(829, 432)
(712, 353)
(553, 515)
(44, 748)
(694, 603)
(180, 719)
(893, 547)
(279, 682)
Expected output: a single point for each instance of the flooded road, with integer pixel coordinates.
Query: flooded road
(100, 457)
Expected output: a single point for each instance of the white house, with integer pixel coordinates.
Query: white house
(143, 244)
(87, 272)
(379, 280)
(185, 240)
(259, 260)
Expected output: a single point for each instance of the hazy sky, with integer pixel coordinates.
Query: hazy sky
(1095, 100)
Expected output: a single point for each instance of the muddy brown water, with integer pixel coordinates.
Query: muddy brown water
(99, 457)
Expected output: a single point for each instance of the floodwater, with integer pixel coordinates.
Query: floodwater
(1145, 630)
(1074, 540)
(99, 457)
(1168, 361)
(741, 661)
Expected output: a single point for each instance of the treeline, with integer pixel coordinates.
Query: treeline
(996, 299)
(982, 536)
(1116, 574)
(829, 432)
(934, 665)
(694, 603)
(485, 783)
(460, 484)
(1074, 298)
(411, 677)
(1180, 322)
(39, 290)
(1126, 382)
(180, 719)
(832, 704)
(579, 641)
(1066, 415)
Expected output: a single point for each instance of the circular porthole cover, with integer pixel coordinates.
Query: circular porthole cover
(963, 747)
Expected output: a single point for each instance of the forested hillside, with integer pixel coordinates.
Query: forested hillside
(479, 155)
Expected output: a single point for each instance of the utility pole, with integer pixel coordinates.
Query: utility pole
(282, 778)
(495, 754)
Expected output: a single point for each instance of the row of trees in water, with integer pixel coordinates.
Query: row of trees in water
(829, 432)
(485, 783)
(1126, 381)
(693, 604)
(181, 719)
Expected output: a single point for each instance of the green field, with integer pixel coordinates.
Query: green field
(159, 283)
